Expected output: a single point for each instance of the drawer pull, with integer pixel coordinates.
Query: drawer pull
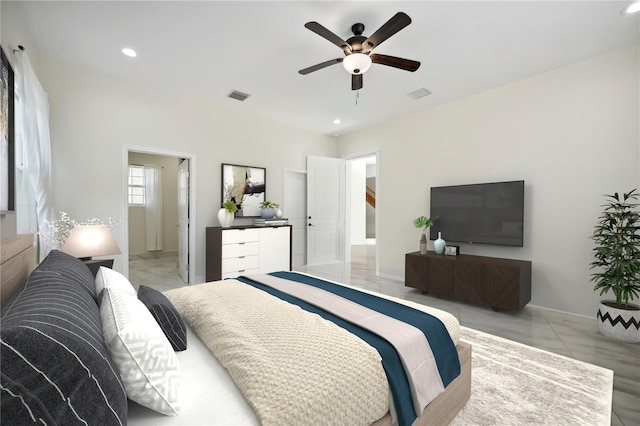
(240, 257)
(240, 243)
(241, 270)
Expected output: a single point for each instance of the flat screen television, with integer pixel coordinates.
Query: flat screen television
(485, 213)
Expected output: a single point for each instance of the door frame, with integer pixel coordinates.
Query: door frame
(348, 158)
(126, 149)
(287, 201)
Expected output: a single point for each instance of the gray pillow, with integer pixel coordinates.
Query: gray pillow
(55, 365)
(166, 315)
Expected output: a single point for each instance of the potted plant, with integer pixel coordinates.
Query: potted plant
(617, 261)
(268, 209)
(227, 213)
(424, 222)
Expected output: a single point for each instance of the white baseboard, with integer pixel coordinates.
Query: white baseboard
(565, 306)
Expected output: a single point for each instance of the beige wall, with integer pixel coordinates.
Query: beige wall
(94, 119)
(137, 221)
(571, 134)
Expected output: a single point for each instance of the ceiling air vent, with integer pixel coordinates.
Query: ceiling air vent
(420, 93)
(238, 95)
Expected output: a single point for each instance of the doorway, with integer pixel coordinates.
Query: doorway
(295, 209)
(351, 190)
(159, 225)
(362, 192)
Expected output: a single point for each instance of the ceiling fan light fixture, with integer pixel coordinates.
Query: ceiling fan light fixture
(632, 8)
(356, 63)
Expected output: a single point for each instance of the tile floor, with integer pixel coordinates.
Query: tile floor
(569, 335)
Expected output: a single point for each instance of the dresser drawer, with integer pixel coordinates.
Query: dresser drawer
(240, 249)
(240, 263)
(230, 236)
(235, 274)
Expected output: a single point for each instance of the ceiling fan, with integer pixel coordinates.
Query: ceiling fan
(357, 49)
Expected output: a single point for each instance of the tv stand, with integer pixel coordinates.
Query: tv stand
(503, 284)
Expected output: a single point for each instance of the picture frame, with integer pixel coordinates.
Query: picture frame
(246, 186)
(7, 135)
(450, 250)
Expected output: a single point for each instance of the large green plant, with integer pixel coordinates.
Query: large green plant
(617, 250)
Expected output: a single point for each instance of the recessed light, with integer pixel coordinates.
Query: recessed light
(337, 121)
(129, 52)
(632, 8)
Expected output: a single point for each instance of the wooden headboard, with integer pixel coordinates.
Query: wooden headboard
(17, 260)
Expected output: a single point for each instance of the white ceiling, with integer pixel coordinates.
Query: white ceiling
(209, 48)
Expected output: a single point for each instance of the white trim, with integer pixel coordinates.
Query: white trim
(286, 200)
(126, 149)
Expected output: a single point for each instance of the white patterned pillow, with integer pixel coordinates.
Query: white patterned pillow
(114, 280)
(143, 356)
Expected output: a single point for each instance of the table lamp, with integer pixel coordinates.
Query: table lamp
(86, 241)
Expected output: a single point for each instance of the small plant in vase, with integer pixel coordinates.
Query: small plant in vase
(424, 223)
(227, 213)
(268, 209)
(617, 260)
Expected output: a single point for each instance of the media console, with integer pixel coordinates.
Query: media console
(500, 283)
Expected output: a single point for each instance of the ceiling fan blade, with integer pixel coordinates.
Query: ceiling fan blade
(323, 32)
(392, 61)
(392, 26)
(356, 81)
(320, 66)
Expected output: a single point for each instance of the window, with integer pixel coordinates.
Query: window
(136, 185)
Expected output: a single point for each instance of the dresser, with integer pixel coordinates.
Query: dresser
(504, 284)
(244, 250)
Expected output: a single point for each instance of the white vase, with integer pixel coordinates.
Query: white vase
(438, 245)
(279, 214)
(619, 324)
(225, 218)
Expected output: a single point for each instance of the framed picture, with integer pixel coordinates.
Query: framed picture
(451, 250)
(246, 186)
(7, 132)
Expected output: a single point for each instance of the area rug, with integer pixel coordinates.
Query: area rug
(515, 384)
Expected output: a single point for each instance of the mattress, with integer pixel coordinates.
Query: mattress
(209, 395)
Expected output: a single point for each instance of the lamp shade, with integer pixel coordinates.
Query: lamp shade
(86, 241)
(356, 63)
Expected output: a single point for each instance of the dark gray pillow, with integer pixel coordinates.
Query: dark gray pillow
(166, 315)
(70, 268)
(55, 365)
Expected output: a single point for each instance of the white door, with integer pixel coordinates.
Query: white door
(326, 204)
(183, 220)
(295, 209)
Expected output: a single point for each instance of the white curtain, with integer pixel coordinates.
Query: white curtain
(33, 154)
(153, 207)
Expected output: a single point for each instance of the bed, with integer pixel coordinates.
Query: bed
(208, 392)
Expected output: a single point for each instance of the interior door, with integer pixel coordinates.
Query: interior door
(326, 207)
(183, 220)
